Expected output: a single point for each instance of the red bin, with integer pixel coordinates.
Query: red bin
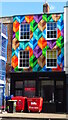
(35, 104)
(20, 104)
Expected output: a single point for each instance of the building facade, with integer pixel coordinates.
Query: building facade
(37, 62)
(3, 59)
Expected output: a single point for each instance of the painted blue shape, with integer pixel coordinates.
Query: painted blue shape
(16, 52)
(44, 34)
(22, 18)
(37, 34)
(33, 43)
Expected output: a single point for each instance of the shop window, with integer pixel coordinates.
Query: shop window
(29, 88)
(51, 59)
(23, 59)
(19, 84)
(51, 30)
(18, 92)
(24, 32)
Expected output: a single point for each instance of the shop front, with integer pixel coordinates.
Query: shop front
(48, 85)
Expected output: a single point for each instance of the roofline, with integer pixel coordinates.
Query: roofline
(38, 14)
(32, 14)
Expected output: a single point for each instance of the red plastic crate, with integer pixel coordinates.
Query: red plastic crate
(20, 104)
(35, 104)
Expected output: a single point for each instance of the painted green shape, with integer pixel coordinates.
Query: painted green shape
(46, 47)
(58, 41)
(17, 35)
(44, 17)
(62, 44)
(48, 19)
(33, 25)
(44, 52)
(16, 69)
(32, 57)
(32, 64)
(60, 38)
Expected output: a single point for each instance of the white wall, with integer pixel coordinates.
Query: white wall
(66, 39)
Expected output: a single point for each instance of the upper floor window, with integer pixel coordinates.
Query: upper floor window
(23, 59)
(51, 30)
(51, 59)
(24, 32)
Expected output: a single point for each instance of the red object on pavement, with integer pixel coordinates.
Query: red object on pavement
(35, 104)
(20, 104)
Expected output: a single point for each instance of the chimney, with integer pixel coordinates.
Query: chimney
(46, 8)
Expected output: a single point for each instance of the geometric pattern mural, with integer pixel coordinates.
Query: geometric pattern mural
(38, 45)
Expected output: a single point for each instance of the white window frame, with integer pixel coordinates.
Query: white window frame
(20, 32)
(22, 58)
(56, 60)
(51, 30)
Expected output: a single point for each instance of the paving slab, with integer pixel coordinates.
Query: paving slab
(34, 116)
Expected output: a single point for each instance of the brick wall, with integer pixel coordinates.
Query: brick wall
(9, 48)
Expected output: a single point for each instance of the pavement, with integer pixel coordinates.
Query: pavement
(32, 116)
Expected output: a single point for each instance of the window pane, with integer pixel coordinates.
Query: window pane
(23, 59)
(52, 30)
(24, 31)
(18, 92)
(51, 58)
(19, 84)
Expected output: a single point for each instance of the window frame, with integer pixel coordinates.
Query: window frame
(51, 30)
(22, 58)
(20, 32)
(56, 59)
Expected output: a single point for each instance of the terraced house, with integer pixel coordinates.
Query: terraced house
(39, 60)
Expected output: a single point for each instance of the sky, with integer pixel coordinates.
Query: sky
(20, 7)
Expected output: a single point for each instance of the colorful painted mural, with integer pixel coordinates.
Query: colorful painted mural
(38, 43)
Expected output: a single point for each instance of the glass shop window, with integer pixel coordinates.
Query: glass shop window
(29, 88)
(18, 92)
(24, 32)
(19, 84)
(51, 59)
(23, 59)
(51, 30)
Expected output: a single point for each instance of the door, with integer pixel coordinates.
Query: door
(59, 96)
(47, 90)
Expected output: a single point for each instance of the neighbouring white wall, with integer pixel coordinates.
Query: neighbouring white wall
(66, 39)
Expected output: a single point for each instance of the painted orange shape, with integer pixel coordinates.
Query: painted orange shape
(14, 61)
(28, 18)
(58, 33)
(16, 26)
(42, 43)
(30, 51)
